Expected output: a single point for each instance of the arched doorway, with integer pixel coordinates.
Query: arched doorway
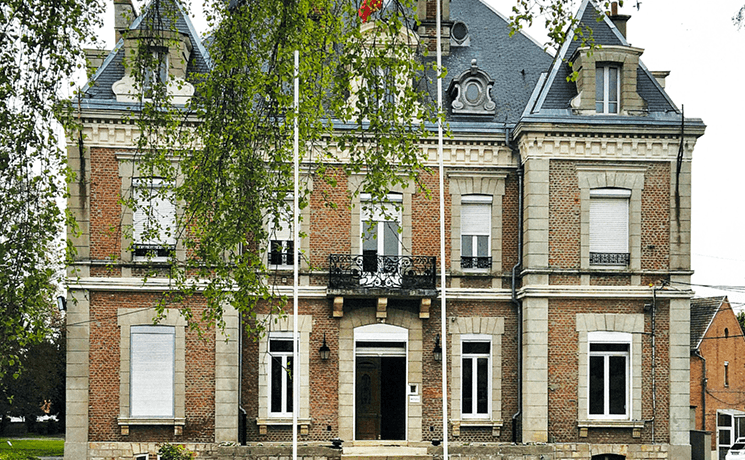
(380, 352)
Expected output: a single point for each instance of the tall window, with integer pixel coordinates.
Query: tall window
(154, 219)
(152, 371)
(380, 234)
(281, 241)
(475, 232)
(609, 375)
(381, 88)
(607, 88)
(609, 226)
(281, 374)
(157, 70)
(476, 373)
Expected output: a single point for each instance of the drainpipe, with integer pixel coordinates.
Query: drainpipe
(242, 415)
(518, 303)
(704, 381)
(654, 360)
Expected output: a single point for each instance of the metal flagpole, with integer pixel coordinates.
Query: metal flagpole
(295, 244)
(443, 302)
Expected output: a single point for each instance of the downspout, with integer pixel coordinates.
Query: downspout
(242, 415)
(518, 303)
(654, 360)
(704, 381)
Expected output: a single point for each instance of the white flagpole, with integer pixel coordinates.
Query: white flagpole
(295, 246)
(443, 279)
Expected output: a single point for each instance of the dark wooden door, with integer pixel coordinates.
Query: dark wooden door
(367, 405)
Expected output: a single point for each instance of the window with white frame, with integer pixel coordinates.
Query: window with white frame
(609, 375)
(281, 374)
(281, 239)
(607, 88)
(475, 376)
(609, 226)
(152, 360)
(475, 218)
(154, 219)
(156, 72)
(380, 233)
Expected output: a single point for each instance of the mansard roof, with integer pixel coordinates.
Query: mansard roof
(515, 63)
(169, 15)
(554, 93)
(703, 311)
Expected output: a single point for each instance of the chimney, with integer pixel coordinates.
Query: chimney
(619, 20)
(427, 15)
(660, 76)
(124, 14)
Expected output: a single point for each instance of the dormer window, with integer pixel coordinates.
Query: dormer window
(156, 71)
(610, 74)
(607, 88)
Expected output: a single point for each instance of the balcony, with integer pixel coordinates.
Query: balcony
(372, 273)
(618, 259)
(475, 263)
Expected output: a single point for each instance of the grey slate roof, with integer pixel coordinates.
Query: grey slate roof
(703, 311)
(171, 14)
(555, 96)
(514, 63)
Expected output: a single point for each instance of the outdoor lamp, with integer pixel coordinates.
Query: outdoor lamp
(61, 303)
(325, 351)
(437, 352)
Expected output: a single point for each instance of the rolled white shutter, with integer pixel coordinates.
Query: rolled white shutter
(152, 371)
(475, 219)
(161, 209)
(609, 224)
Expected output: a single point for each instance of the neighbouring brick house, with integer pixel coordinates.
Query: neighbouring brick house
(717, 373)
(568, 216)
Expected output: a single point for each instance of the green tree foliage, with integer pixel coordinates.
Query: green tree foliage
(364, 107)
(39, 52)
(174, 452)
(38, 386)
(559, 19)
(741, 320)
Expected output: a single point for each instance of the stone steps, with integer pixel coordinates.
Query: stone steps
(385, 453)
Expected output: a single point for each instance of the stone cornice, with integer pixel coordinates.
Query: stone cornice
(598, 146)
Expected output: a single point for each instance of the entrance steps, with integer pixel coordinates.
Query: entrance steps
(384, 452)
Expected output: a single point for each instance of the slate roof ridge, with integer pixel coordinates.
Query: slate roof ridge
(698, 308)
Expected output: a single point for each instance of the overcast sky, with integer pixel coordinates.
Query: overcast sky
(697, 42)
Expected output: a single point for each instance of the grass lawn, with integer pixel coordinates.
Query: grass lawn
(23, 449)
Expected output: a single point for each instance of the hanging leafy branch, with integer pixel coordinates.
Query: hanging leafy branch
(39, 52)
(559, 19)
(363, 109)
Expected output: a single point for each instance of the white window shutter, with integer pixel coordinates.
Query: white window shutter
(609, 224)
(152, 371)
(475, 219)
(158, 207)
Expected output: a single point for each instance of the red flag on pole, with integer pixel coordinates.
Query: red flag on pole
(369, 7)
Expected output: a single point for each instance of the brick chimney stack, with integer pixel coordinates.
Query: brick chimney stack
(619, 20)
(427, 14)
(124, 14)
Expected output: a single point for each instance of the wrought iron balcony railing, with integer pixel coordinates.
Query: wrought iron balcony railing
(348, 271)
(609, 258)
(470, 263)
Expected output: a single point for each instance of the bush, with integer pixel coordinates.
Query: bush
(171, 452)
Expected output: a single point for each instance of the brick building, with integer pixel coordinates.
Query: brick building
(717, 373)
(567, 219)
